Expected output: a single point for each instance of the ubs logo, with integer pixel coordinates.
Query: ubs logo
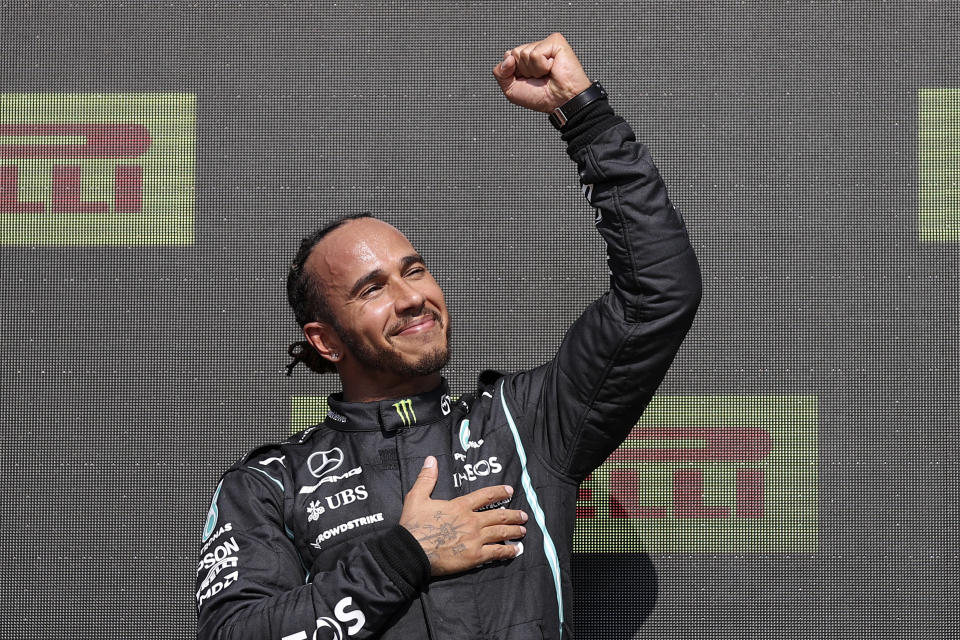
(96, 169)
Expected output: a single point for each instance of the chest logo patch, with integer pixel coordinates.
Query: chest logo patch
(320, 464)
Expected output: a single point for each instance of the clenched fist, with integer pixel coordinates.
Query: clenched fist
(541, 75)
(453, 534)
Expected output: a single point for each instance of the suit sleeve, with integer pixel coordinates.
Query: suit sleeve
(252, 584)
(582, 404)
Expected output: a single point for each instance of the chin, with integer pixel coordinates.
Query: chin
(431, 362)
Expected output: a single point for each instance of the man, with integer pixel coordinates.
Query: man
(407, 514)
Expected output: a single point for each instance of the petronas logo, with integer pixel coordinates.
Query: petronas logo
(405, 411)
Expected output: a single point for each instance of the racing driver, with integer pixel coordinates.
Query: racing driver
(407, 513)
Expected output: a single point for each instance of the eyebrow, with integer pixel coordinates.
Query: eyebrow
(376, 274)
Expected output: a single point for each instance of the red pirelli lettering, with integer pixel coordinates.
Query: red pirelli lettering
(735, 444)
(66, 192)
(10, 193)
(100, 141)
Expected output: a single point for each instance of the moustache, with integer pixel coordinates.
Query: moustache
(401, 325)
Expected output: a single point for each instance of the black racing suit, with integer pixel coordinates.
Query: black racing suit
(302, 540)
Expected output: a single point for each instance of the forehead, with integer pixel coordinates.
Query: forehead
(356, 248)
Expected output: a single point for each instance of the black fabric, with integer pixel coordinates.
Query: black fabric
(388, 415)
(403, 558)
(586, 124)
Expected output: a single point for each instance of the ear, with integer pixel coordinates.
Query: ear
(325, 340)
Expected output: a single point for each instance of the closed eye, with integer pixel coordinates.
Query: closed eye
(369, 291)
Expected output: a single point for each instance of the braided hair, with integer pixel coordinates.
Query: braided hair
(305, 295)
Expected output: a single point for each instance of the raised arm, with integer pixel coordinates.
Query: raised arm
(581, 405)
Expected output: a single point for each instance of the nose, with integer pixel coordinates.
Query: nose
(409, 300)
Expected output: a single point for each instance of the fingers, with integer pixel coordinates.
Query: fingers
(501, 516)
(504, 70)
(493, 552)
(482, 497)
(426, 479)
(535, 59)
(532, 60)
(502, 533)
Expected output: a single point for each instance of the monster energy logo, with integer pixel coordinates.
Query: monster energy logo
(405, 411)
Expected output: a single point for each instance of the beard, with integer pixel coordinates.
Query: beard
(392, 361)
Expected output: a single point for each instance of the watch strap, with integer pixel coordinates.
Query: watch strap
(563, 113)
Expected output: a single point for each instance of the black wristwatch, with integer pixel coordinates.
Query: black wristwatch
(560, 115)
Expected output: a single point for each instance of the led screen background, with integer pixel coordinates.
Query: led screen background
(811, 148)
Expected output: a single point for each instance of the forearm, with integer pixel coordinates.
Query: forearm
(615, 356)
(654, 272)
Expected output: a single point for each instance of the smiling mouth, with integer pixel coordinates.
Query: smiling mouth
(417, 325)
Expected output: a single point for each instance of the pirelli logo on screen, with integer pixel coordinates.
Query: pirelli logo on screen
(708, 474)
(97, 169)
(698, 474)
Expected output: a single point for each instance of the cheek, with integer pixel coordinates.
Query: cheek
(375, 316)
(435, 294)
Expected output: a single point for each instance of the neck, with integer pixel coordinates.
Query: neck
(372, 388)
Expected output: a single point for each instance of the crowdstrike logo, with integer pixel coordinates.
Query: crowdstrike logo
(344, 615)
(344, 527)
(405, 411)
